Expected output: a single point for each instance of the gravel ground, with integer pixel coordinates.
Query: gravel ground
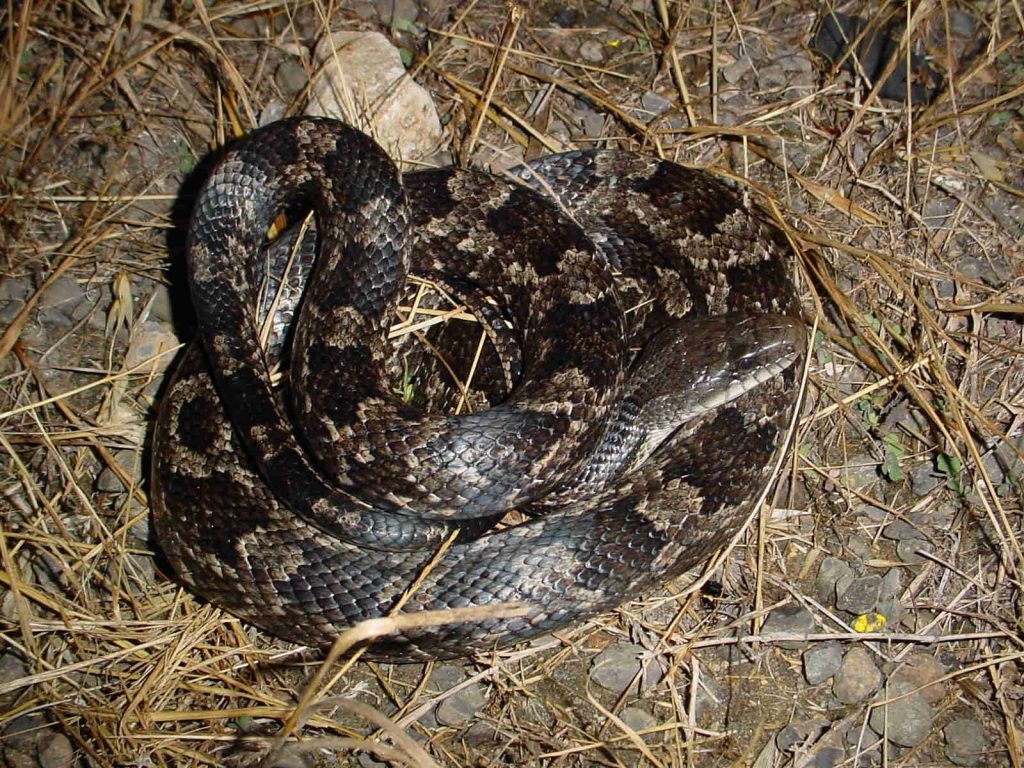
(872, 613)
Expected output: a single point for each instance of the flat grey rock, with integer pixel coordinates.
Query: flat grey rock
(906, 720)
(821, 661)
(861, 595)
(616, 667)
(789, 620)
(966, 741)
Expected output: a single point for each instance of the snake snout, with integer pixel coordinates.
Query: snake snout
(763, 346)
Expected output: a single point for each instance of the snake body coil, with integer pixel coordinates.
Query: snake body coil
(307, 508)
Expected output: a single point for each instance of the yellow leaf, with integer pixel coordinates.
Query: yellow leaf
(869, 622)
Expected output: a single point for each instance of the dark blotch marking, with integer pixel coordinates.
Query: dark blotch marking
(326, 374)
(601, 558)
(429, 196)
(692, 200)
(754, 286)
(536, 230)
(211, 532)
(591, 324)
(196, 430)
(733, 474)
(287, 145)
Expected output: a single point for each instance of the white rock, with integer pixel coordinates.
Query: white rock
(361, 80)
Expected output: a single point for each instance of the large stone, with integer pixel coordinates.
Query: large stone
(857, 678)
(907, 719)
(361, 80)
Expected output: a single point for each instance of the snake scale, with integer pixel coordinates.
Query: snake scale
(653, 326)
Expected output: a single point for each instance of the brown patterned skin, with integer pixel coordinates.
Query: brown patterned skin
(305, 515)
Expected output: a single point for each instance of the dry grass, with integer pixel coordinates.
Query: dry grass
(104, 114)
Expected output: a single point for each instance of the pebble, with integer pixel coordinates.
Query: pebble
(905, 721)
(732, 73)
(972, 268)
(654, 103)
(997, 328)
(797, 61)
(936, 214)
(966, 741)
(961, 23)
(250, 26)
(772, 77)
(710, 694)
(29, 743)
(149, 347)
(789, 736)
(57, 752)
(909, 551)
(873, 513)
(593, 124)
(367, 760)
(860, 596)
(833, 575)
(481, 734)
(141, 531)
(13, 293)
(364, 9)
(821, 661)
(405, 119)
(12, 667)
(938, 518)
(1001, 212)
(789, 620)
(828, 757)
(922, 670)
(1003, 463)
(128, 460)
(566, 17)
(161, 304)
(639, 720)
(444, 677)
(798, 734)
(891, 609)
(891, 585)
(149, 340)
(860, 153)
(559, 130)
(859, 547)
(15, 289)
(22, 728)
(64, 303)
(397, 12)
(592, 51)
(857, 678)
(860, 473)
(616, 666)
(461, 706)
(900, 530)
(923, 480)
(945, 289)
(290, 77)
(732, 109)
(866, 744)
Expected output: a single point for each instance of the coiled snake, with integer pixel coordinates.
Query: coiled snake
(305, 508)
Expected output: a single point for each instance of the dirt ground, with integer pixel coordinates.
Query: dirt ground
(872, 612)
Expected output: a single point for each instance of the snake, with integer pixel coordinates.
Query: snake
(647, 339)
